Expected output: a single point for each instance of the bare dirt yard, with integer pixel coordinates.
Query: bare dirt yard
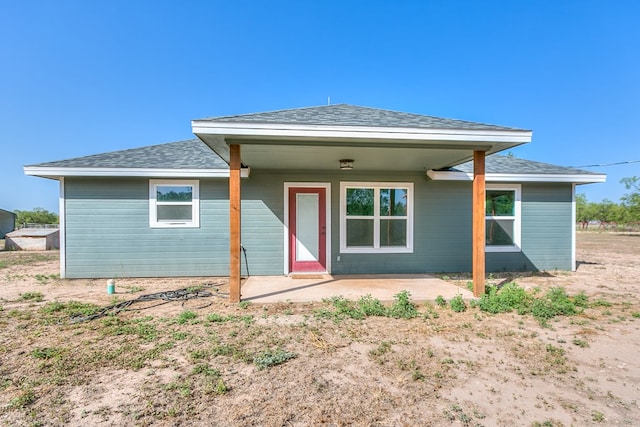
(207, 362)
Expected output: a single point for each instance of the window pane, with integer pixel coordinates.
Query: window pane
(172, 193)
(393, 232)
(360, 201)
(360, 232)
(499, 232)
(501, 202)
(393, 202)
(174, 213)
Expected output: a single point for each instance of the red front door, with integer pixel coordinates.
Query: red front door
(307, 230)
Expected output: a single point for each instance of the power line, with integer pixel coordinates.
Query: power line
(608, 164)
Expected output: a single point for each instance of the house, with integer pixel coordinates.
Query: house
(338, 188)
(7, 222)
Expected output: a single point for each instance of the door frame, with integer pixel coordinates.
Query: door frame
(287, 249)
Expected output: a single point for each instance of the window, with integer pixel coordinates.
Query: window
(376, 217)
(174, 203)
(502, 218)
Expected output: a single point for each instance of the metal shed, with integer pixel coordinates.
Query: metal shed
(7, 222)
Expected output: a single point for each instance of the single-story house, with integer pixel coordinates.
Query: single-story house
(340, 189)
(7, 222)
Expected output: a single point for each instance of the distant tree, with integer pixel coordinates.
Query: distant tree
(584, 212)
(36, 216)
(607, 211)
(631, 201)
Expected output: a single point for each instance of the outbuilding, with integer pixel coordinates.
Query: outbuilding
(7, 222)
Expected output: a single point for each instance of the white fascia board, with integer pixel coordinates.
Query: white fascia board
(203, 127)
(515, 177)
(131, 172)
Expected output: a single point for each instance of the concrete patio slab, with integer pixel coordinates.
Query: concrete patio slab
(306, 288)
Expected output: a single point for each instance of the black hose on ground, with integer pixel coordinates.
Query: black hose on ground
(164, 297)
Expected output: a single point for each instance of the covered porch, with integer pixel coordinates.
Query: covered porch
(307, 288)
(349, 138)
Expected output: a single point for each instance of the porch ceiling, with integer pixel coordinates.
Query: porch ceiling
(364, 158)
(369, 155)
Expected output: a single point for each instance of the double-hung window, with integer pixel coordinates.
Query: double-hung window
(376, 217)
(502, 218)
(174, 203)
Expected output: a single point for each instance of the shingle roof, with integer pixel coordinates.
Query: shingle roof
(194, 154)
(189, 154)
(513, 165)
(352, 115)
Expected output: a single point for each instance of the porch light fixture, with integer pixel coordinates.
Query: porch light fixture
(346, 164)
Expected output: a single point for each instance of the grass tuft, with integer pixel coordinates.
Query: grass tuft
(269, 358)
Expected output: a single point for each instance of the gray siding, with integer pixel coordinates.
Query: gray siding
(546, 231)
(108, 233)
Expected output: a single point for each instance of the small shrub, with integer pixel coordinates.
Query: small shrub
(46, 353)
(52, 307)
(206, 370)
(601, 303)
(383, 348)
(457, 304)
(32, 296)
(441, 301)
(556, 357)
(186, 316)
(221, 387)
(403, 307)
(555, 302)
(345, 307)
(244, 304)
(24, 399)
(371, 306)
(216, 318)
(597, 416)
(270, 358)
(581, 300)
(417, 375)
(510, 297)
(580, 343)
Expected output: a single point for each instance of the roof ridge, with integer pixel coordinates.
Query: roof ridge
(282, 110)
(357, 115)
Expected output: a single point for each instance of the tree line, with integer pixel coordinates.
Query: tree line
(627, 211)
(35, 216)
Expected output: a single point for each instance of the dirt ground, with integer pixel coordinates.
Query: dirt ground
(209, 362)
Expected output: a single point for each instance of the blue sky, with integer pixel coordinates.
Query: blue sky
(83, 77)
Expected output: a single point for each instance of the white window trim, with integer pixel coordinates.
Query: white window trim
(375, 250)
(517, 219)
(195, 203)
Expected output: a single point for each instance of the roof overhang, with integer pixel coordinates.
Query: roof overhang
(512, 177)
(286, 146)
(59, 172)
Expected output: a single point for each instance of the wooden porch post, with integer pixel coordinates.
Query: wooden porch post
(234, 223)
(479, 191)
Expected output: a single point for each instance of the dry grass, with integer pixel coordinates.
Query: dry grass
(295, 364)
